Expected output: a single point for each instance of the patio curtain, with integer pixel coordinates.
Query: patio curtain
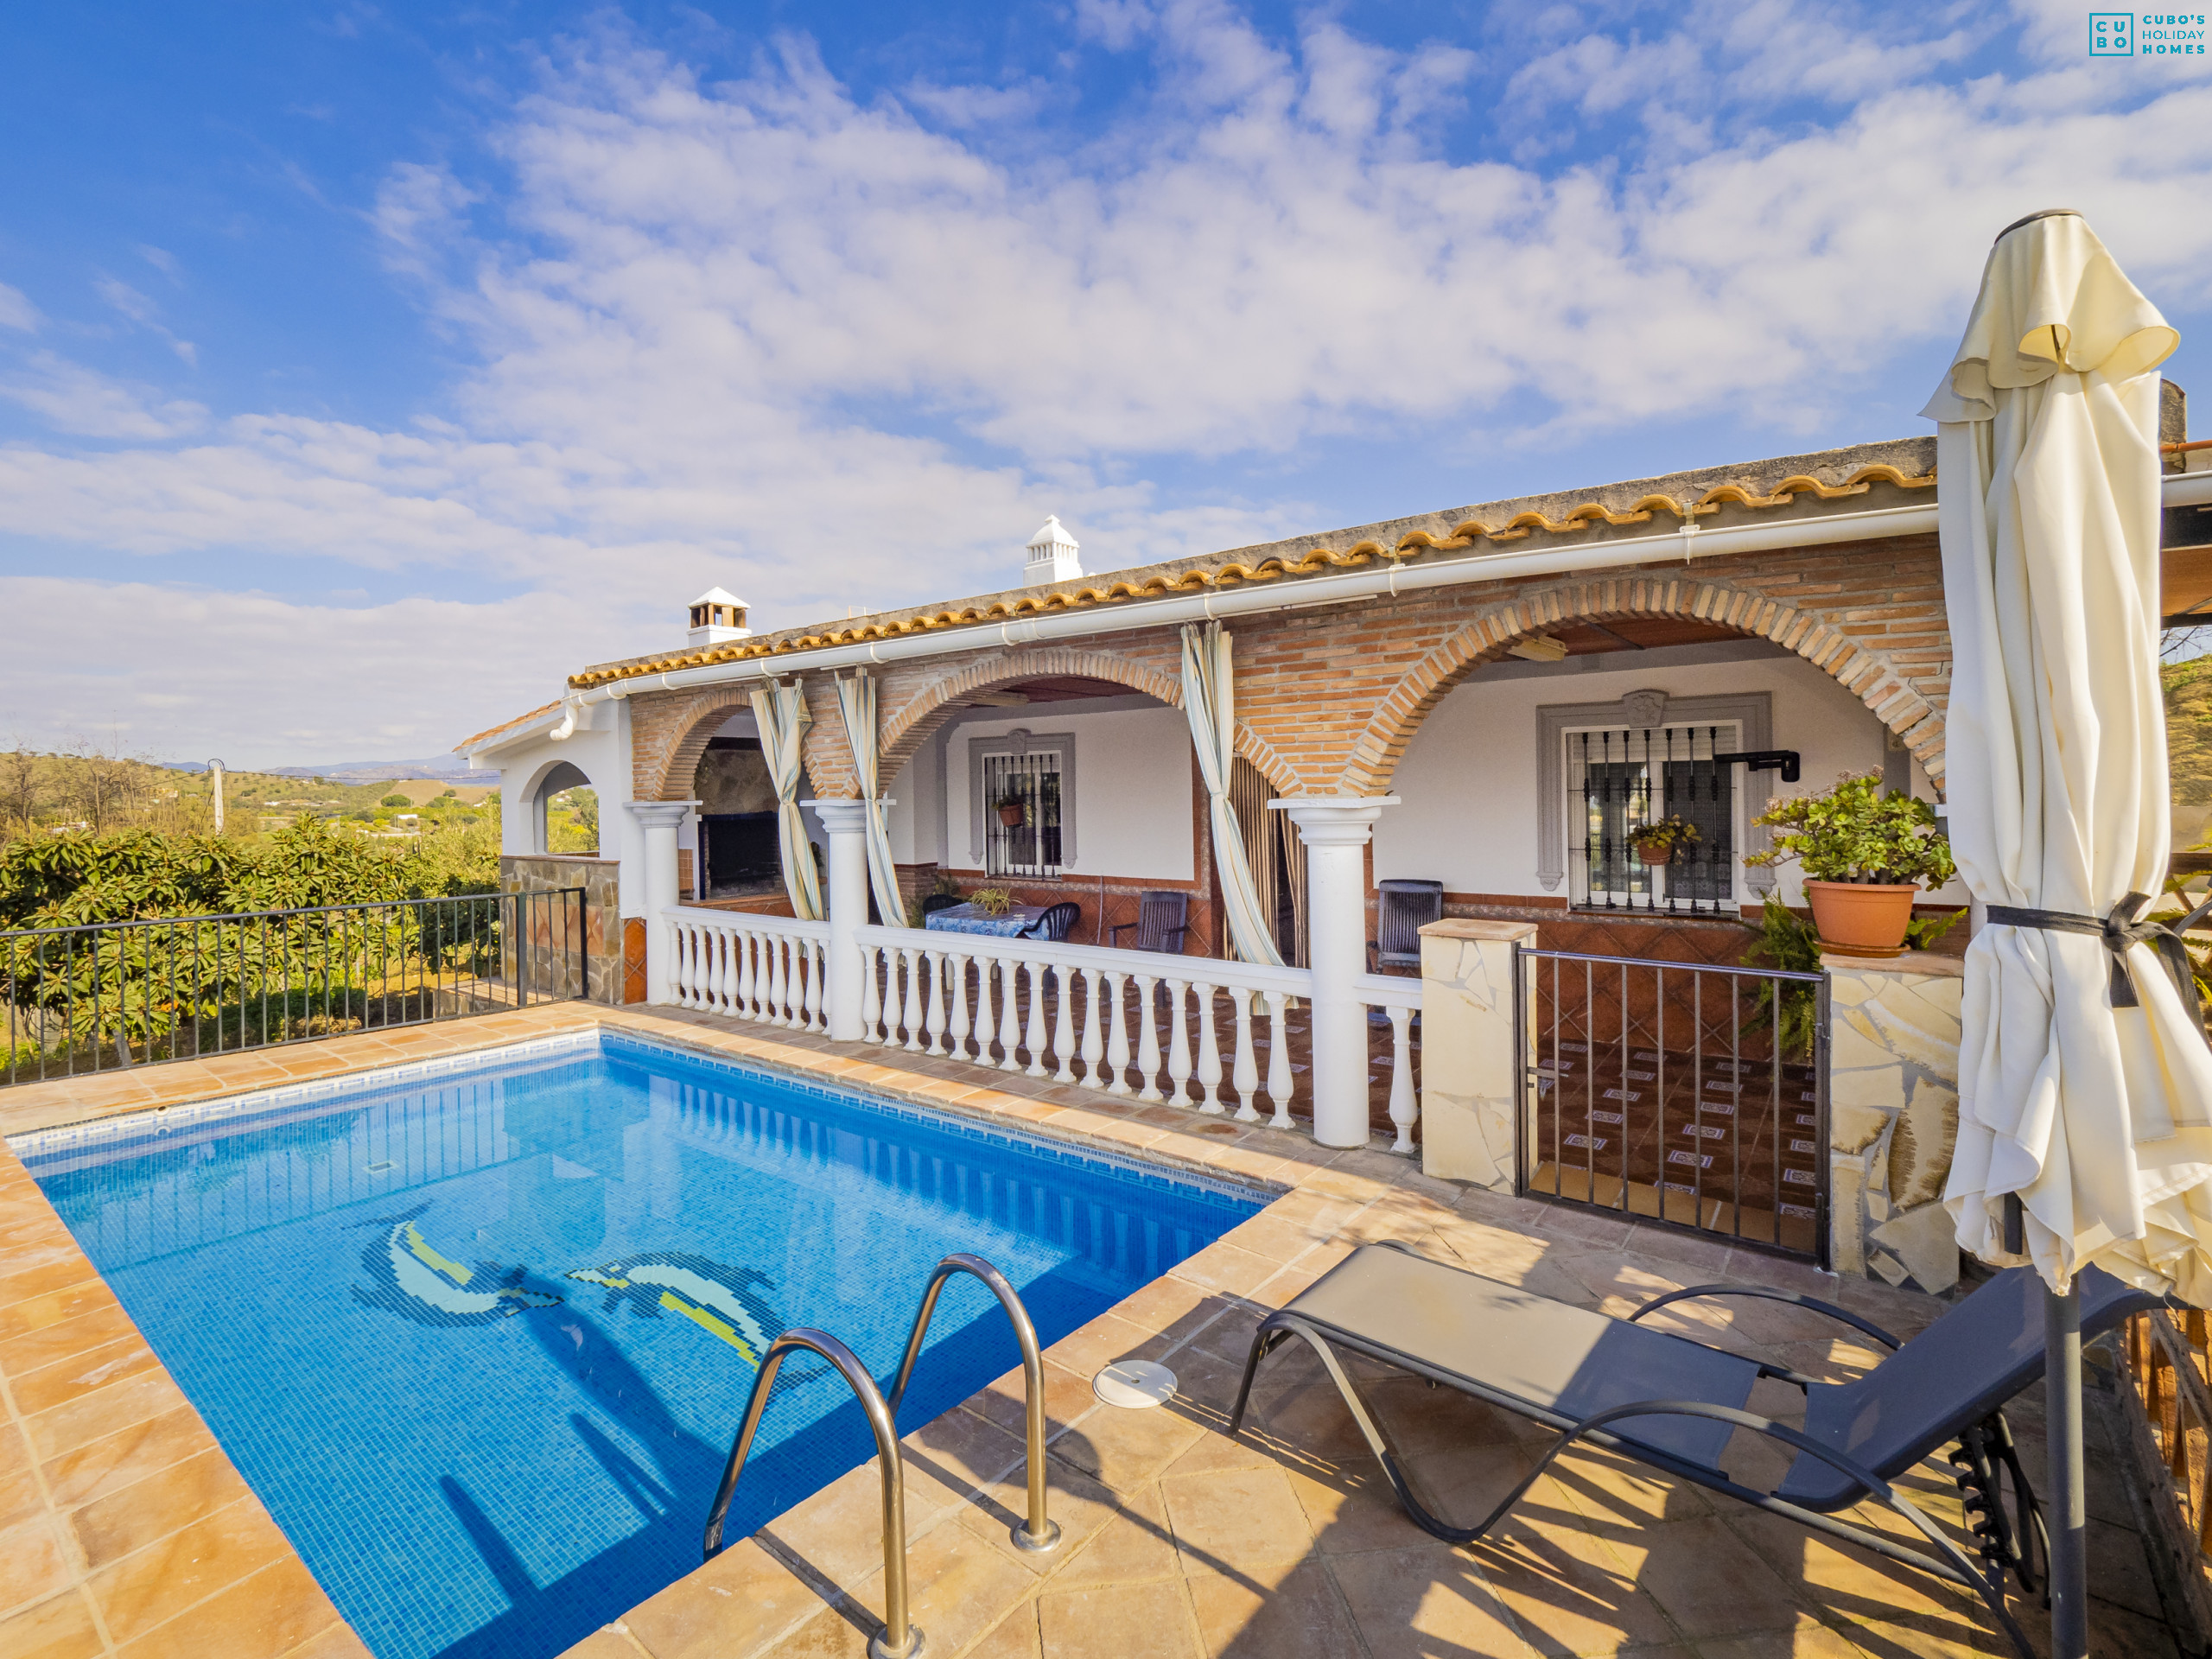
(1209, 700)
(856, 703)
(1267, 839)
(781, 713)
(2085, 1081)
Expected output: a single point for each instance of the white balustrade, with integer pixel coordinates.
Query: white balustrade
(1400, 999)
(1049, 1009)
(764, 967)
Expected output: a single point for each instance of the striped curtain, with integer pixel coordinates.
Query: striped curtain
(1209, 702)
(783, 717)
(856, 703)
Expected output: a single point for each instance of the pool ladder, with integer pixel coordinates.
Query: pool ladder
(900, 1638)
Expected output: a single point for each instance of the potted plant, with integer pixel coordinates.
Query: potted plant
(992, 901)
(1013, 811)
(1658, 842)
(1864, 855)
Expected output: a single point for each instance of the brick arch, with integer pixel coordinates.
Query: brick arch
(1375, 754)
(905, 730)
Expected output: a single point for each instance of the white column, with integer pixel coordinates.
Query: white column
(1335, 829)
(847, 824)
(659, 820)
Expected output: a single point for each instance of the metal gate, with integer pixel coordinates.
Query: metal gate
(1689, 1094)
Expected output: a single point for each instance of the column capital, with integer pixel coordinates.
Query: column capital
(845, 817)
(1334, 820)
(661, 814)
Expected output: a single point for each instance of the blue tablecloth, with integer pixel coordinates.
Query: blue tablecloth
(966, 919)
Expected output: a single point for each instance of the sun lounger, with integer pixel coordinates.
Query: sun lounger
(1673, 1403)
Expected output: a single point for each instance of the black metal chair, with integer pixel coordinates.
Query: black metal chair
(1162, 922)
(937, 901)
(1401, 910)
(1673, 1404)
(1057, 922)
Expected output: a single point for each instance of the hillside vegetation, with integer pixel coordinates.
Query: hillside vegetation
(2189, 730)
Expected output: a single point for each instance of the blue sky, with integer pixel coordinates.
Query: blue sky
(364, 368)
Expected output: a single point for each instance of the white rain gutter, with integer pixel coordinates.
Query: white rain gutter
(1688, 544)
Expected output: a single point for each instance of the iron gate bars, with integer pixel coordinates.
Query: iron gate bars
(107, 995)
(1686, 1092)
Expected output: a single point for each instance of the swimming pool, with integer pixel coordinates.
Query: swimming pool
(480, 1340)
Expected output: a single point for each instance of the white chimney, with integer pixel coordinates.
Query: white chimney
(717, 616)
(1052, 557)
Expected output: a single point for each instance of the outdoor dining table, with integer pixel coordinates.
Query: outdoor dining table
(966, 919)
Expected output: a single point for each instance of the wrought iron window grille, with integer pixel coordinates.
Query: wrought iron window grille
(1032, 846)
(1623, 779)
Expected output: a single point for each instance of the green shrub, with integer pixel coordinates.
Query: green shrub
(1854, 832)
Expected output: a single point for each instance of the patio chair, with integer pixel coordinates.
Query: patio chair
(1401, 910)
(1673, 1403)
(1162, 922)
(1057, 922)
(937, 902)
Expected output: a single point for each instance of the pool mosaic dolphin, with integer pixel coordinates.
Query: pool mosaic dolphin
(409, 1277)
(717, 1298)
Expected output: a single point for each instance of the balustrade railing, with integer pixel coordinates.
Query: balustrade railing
(1398, 1000)
(1124, 1023)
(1219, 1038)
(766, 968)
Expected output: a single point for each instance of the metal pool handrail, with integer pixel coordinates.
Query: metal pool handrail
(898, 1639)
(1039, 1532)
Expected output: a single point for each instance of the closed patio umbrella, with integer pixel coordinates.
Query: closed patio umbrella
(2085, 1083)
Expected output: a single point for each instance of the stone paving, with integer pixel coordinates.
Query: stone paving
(123, 1530)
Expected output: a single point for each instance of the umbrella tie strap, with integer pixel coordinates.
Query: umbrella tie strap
(2117, 933)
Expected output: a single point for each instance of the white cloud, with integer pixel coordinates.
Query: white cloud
(771, 335)
(125, 298)
(16, 310)
(74, 399)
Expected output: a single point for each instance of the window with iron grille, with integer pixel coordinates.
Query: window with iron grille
(1026, 842)
(1623, 779)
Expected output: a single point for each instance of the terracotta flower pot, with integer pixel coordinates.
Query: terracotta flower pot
(1857, 918)
(1655, 857)
(1011, 817)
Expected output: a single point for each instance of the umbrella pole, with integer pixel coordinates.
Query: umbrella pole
(2067, 1516)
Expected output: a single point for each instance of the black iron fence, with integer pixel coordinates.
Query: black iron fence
(1686, 1092)
(117, 993)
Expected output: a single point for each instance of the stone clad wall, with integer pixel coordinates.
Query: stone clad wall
(1471, 1077)
(552, 871)
(1893, 1074)
(1328, 697)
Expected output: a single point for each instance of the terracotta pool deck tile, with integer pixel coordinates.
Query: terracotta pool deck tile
(54, 1306)
(43, 1280)
(61, 1627)
(962, 1451)
(36, 1561)
(183, 1568)
(83, 1374)
(129, 1519)
(836, 1536)
(1235, 1520)
(1222, 1267)
(102, 1412)
(126, 1457)
(20, 1357)
(1129, 1621)
(1126, 1449)
(959, 1584)
(1298, 1615)
(269, 1615)
(738, 1605)
(1003, 1401)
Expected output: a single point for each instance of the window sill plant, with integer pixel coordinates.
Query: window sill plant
(1658, 842)
(1866, 854)
(1013, 811)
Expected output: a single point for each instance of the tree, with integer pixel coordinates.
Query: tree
(102, 781)
(393, 800)
(21, 784)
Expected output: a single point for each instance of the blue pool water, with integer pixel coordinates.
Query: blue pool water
(480, 1342)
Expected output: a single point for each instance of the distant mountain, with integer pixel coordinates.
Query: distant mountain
(444, 767)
